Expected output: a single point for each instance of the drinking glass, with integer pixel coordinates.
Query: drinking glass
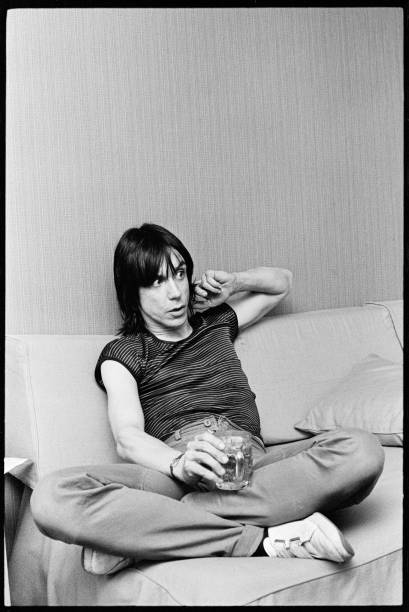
(240, 459)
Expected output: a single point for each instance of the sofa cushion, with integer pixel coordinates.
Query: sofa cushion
(54, 575)
(56, 415)
(370, 397)
(293, 360)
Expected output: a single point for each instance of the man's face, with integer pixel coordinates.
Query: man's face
(164, 305)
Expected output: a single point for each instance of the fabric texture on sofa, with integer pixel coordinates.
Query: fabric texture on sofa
(56, 417)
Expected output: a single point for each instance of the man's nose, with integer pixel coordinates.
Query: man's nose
(173, 289)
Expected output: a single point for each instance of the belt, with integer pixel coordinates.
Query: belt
(211, 423)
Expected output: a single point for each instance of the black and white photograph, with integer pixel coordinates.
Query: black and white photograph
(204, 304)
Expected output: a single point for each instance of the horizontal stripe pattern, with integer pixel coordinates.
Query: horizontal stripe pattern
(181, 382)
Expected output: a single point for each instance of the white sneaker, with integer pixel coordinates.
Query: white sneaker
(315, 537)
(100, 563)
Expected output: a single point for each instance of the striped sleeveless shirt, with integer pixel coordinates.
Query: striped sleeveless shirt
(197, 377)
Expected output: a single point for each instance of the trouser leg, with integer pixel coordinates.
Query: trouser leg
(132, 511)
(323, 473)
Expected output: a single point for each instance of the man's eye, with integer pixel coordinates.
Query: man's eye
(157, 282)
(181, 273)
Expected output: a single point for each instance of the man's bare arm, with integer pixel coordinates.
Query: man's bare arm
(126, 419)
(203, 458)
(252, 293)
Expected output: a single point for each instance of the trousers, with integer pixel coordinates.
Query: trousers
(133, 511)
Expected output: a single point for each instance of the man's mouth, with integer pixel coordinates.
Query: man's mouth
(177, 309)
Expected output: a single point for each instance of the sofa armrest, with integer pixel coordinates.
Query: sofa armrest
(395, 310)
(13, 494)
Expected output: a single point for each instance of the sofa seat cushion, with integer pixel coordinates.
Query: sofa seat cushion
(373, 576)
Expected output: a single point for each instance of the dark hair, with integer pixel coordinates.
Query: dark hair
(138, 258)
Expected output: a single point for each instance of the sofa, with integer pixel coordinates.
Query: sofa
(310, 371)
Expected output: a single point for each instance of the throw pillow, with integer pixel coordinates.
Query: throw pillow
(369, 397)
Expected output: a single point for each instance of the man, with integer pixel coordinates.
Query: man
(173, 380)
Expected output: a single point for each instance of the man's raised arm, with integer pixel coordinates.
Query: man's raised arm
(251, 293)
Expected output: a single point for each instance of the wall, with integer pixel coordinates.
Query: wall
(258, 135)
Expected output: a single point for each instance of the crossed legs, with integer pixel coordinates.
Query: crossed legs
(324, 473)
(128, 510)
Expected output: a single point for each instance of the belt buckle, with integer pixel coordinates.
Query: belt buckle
(222, 423)
(211, 423)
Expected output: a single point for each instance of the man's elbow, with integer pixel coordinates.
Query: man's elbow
(120, 450)
(284, 281)
(125, 440)
(289, 281)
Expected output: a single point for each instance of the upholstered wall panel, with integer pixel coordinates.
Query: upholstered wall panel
(258, 135)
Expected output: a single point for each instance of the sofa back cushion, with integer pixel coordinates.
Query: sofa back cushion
(56, 414)
(292, 360)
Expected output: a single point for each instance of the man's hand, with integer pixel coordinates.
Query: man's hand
(214, 288)
(201, 464)
(260, 289)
